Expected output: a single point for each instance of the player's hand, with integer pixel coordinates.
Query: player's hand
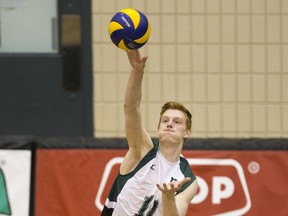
(135, 59)
(170, 189)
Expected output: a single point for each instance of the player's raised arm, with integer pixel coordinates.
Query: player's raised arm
(139, 140)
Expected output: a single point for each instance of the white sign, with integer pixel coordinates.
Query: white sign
(15, 169)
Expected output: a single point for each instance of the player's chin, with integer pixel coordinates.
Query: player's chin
(169, 138)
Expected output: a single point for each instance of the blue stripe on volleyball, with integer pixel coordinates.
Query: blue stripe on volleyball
(132, 44)
(118, 35)
(124, 20)
(141, 29)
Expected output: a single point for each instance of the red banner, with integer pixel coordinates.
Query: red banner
(77, 182)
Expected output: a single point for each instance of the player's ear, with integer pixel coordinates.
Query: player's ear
(187, 134)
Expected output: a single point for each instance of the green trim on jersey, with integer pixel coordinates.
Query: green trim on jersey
(187, 172)
(121, 180)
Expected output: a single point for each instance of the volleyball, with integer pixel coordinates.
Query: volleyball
(129, 29)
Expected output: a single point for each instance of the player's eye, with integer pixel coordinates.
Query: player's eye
(165, 120)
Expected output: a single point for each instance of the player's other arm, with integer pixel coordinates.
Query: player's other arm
(184, 199)
(177, 205)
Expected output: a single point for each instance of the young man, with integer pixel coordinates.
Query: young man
(154, 178)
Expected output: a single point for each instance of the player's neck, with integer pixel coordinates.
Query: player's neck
(171, 152)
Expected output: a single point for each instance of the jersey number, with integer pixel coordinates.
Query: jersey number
(145, 205)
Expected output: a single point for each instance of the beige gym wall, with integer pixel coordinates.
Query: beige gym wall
(226, 60)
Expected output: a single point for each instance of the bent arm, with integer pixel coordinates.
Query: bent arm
(184, 199)
(177, 205)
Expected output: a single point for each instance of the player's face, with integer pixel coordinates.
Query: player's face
(173, 126)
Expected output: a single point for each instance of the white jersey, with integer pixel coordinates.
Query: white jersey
(136, 194)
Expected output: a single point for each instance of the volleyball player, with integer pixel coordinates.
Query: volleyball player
(154, 178)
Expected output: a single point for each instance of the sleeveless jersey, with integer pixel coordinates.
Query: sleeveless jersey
(136, 193)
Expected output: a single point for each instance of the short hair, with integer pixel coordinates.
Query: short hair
(177, 106)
